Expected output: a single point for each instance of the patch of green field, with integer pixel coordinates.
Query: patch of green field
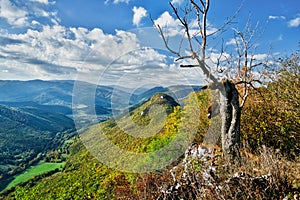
(33, 171)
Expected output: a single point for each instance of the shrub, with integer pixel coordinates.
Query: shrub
(271, 115)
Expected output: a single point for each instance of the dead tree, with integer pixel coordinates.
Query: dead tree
(231, 99)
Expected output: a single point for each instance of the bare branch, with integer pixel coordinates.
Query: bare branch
(177, 14)
(202, 3)
(183, 57)
(189, 66)
(166, 41)
(227, 22)
(219, 70)
(184, 23)
(203, 66)
(255, 65)
(249, 82)
(197, 8)
(204, 29)
(244, 99)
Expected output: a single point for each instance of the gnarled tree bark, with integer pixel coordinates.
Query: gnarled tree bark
(230, 113)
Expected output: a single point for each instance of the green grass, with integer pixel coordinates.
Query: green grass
(33, 171)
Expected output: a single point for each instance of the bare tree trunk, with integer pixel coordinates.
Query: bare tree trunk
(229, 96)
(230, 113)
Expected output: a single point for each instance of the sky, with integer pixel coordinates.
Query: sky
(114, 42)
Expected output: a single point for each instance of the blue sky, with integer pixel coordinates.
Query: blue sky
(113, 41)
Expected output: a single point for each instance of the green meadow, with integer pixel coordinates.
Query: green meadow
(33, 171)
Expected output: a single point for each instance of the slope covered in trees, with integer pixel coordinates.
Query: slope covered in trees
(27, 132)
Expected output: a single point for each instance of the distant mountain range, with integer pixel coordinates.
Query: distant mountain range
(56, 96)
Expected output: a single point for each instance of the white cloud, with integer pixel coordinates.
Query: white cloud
(214, 56)
(58, 52)
(232, 41)
(277, 17)
(177, 1)
(117, 1)
(294, 22)
(167, 20)
(15, 16)
(121, 1)
(34, 22)
(260, 57)
(46, 2)
(38, 10)
(139, 14)
(23, 16)
(291, 23)
(209, 31)
(171, 25)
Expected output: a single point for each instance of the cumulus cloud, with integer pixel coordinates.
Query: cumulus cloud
(46, 50)
(167, 20)
(294, 22)
(139, 14)
(58, 52)
(171, 25)
(30, 13)
(14, 15)
(68, 46)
